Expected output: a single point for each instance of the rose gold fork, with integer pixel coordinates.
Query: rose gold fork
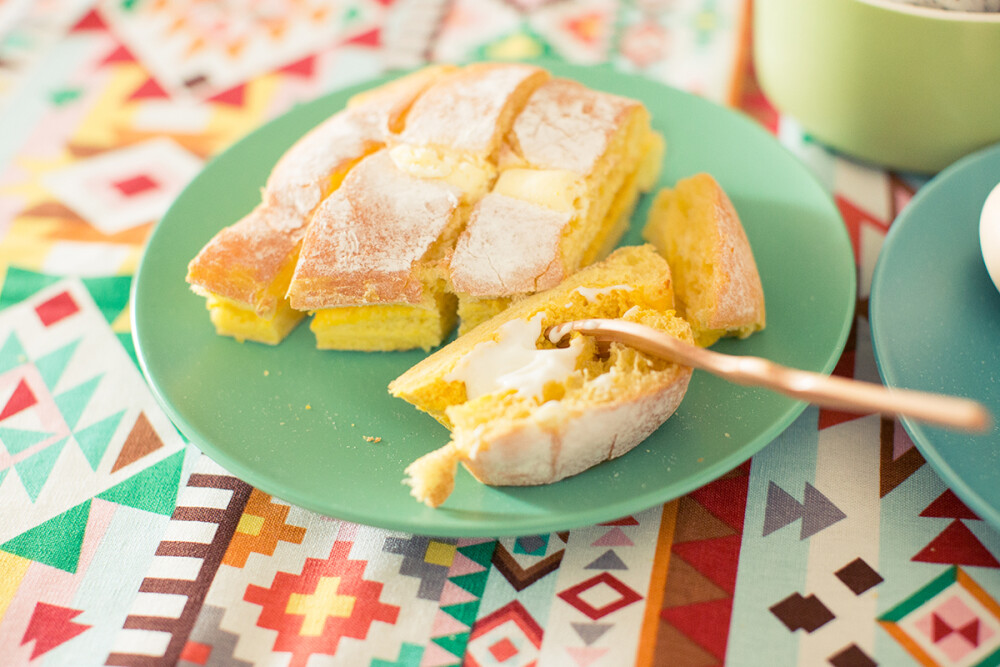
(824, 390)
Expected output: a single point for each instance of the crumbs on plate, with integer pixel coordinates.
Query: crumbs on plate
(372, 438)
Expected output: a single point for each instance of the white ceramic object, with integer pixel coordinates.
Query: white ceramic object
(989, 234)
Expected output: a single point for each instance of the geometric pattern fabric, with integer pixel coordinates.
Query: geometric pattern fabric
(121, 544)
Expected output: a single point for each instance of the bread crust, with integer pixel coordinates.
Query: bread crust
(530, 452)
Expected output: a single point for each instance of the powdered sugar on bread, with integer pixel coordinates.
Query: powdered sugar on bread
(509, 247)
(466, 111)
(565, 125)
(365, 239)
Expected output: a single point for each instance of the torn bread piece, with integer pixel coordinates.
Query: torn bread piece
(523, 411)
(578, 160)
(695, 227)
(244, 271)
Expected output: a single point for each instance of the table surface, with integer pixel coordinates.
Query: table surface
(122, 544)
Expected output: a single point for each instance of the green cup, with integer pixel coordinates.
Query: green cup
(903, 87)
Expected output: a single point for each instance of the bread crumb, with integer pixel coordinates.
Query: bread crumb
(726, 434)
(370, 438)
(308, 407)
(266, 372)
(701, 459)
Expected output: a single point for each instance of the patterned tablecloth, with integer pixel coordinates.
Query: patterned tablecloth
(122, 544)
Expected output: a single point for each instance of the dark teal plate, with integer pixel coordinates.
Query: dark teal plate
(935, 319)
(293, 420)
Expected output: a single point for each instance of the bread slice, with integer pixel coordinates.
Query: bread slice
(575, 155)
(371, 266)
(245, 269)
(695, 227)
(525, 412)
(373, 243)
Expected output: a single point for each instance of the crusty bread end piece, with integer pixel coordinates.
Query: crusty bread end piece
(695, 227)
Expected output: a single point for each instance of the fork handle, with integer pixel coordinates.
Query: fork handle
(824, 390)
(856, 396)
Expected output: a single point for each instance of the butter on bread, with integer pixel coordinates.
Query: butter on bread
(577, 160)
(696, 228)
(245, 269)
(513, 424)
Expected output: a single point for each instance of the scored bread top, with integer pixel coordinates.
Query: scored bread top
(469, 110)
(367, 236)
(242, 260)
(509, 247)
(300, 178)
(566, 125)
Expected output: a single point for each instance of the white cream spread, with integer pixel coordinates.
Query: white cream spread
(513, 362)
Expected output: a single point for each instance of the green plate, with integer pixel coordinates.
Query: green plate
(293, 420)
(935, 318)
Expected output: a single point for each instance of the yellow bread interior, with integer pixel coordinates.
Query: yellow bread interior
(695, 227)
(473, 311)
(385, 328)
(629, 277)
(234, 320)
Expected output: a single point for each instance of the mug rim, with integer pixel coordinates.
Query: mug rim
(934, 12)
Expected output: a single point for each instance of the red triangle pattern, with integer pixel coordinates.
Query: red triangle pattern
(706, 623)
(22, 399)
(304, 68)
(624, 521)
(119, 55)
(971, 632)
(372, 38)
(234, 96)
(726, 499)
(90, 21)
(956, 545)
(149, 90)
(939, 629)
(715, 558)
(51, 626)
(945, 506)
